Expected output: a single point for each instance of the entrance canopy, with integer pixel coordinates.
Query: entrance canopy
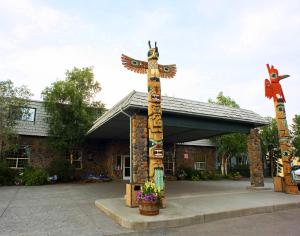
(183, 120)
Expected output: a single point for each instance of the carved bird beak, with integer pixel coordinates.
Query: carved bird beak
(284, 76)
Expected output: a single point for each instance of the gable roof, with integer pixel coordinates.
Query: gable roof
(179, 106)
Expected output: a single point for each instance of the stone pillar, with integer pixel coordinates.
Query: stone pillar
(139, 139)
(255, 161)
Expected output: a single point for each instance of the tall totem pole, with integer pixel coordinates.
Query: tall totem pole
(273, 90)
(155, 126)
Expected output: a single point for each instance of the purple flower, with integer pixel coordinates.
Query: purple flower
(139, 196)
(150, 197)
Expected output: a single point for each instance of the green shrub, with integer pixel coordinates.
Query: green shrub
(7, 175)
(63, 169)
(195, 178)
(243, 169)
(187, 173)
(206, 175)
(34, 176)
(234, 175)
(213, 175)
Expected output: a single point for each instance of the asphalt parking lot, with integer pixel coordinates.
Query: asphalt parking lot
(69, 209)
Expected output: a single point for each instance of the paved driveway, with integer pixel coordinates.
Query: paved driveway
(68, 209)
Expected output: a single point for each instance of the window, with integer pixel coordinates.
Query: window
(75, 159)
(200, 161)
(27, 114)
(199, 165)
(168, 163)
(19, 158)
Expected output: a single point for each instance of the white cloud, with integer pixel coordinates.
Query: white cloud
(260, 27)
(225, 53)
(33, 24)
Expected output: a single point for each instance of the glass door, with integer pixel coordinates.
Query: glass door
(126, 167)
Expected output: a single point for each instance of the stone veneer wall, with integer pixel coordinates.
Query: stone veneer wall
(139, 133)
(100, 156)
(114, 150)
(93, 155)
(255, 159)
(97, 156)
(40, 156)
(195, 152)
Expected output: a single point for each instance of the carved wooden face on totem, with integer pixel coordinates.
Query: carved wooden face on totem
(280, 109)
(153, 53)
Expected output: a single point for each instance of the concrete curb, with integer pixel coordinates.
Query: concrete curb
(136, 222)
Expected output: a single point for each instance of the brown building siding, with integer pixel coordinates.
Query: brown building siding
(106, 156)
(40, 155)
(195, 154)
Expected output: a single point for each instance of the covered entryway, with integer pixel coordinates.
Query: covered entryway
(183, 121)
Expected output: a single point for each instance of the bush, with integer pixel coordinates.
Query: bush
(34, 176)
(196, 175)
(186, 173)
(7, 175)
(243, 169)
(234, 175)
(63, 169)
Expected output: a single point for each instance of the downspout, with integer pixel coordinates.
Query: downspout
(130, 142)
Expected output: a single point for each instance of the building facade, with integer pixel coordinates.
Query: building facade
(109, 146)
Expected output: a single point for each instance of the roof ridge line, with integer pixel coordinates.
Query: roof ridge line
(112, 111)
(213, 104)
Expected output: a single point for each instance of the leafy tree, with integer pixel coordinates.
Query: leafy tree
(296, 134)
(228, 145)
(12, 99)
(270, 142)
(71, 109)
(223, 100)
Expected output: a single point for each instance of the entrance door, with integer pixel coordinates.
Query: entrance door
(126, 167)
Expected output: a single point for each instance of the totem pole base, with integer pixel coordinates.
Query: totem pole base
(291, 189)
(278, 184)
(281, 186)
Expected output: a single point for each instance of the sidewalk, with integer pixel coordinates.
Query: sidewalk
(69, 209)
(202, 208)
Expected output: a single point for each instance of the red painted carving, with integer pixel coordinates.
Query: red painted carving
(272, 87)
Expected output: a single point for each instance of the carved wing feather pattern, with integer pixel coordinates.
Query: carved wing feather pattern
(134, 65)
(268, 89)
(167, 71)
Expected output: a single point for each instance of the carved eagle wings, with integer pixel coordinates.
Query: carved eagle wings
(268, 89)
(166, 71)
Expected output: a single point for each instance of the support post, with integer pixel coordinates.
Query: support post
(139, 158)
(255, 161)
(139, 149)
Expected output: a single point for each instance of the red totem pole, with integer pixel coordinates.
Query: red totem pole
(273, 90)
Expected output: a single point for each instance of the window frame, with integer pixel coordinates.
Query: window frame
(18, 157)
(200, 165)
(22, 115)
(77, 160)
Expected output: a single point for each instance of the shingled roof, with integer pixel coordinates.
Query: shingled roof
(138, 100)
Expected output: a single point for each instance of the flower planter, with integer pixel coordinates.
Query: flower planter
(148, 208)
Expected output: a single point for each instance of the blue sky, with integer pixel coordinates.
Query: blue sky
(217, 46)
